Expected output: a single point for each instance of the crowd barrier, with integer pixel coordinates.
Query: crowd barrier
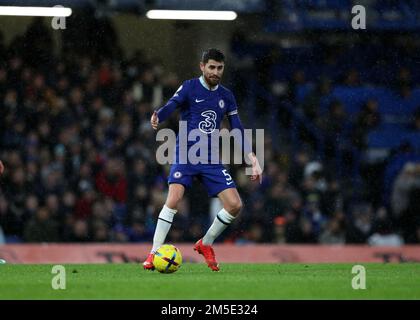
(249, 253)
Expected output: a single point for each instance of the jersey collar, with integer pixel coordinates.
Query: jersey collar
(204, 84)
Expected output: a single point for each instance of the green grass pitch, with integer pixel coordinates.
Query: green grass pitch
(196, 281)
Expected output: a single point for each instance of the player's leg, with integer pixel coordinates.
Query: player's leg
(232, 206)
(179, 178)
(218, 182)
(166, 215)
(165, 219)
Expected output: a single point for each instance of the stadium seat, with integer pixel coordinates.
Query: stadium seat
(302, 91)
(323, 4)
(385, 139)
(393, 137)
(352, 98)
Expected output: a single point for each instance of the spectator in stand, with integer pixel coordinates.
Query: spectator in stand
(335, 125)
(383, 231)
(415, 124)
(409, 220)
(292, 227)
(312, 103)
(407, 180)
(41, 228)
(334, 233)
(111, 180)
(79, 232)
(403, 82)
(306, 233)
(352, 78)
(368, 119)
(417, 236)
(297, 168)
(2, 237)
(280, 230)
(360, 224)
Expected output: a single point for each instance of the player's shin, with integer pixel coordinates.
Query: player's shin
(221, 222)
(163, 226)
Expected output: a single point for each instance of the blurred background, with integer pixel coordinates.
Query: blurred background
(340, 108)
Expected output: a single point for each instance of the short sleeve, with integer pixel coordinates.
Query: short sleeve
(179, 98)
(181, 95)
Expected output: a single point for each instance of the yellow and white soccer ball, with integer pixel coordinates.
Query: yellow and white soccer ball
(167, 259)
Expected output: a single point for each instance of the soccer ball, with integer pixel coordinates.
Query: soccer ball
(167, 259)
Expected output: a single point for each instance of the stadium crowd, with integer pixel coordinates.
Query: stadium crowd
(79, 155)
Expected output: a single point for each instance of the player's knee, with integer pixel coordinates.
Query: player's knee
(174, 197)
(238, 205)
(173, 200)
(234, 206)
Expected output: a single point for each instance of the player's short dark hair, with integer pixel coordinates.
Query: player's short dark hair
(214, 54)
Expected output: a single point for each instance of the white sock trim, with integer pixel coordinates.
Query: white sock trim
(220, 223)
(167, 214)
(169, 209)
(164, 223)
(225, 216)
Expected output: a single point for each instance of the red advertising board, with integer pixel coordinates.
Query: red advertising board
(252, 253)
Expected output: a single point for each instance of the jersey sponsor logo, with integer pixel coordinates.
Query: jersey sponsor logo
(198, 101)
(208, 125)
(221, 104)
(177, 175)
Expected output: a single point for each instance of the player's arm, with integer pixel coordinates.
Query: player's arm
(164, 112)
(1, 167)
(235, 123)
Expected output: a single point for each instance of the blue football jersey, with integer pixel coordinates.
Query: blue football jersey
(202, 109)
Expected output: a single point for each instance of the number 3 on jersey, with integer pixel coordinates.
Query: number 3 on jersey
(228, 177)
(209, 123)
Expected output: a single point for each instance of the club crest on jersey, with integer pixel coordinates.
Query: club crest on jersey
(221, 104)
(177, 175)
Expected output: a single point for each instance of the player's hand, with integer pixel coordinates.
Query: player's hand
(256, 169)
(154, 120)
(1, 167)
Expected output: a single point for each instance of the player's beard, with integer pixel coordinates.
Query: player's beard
(212, 81)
